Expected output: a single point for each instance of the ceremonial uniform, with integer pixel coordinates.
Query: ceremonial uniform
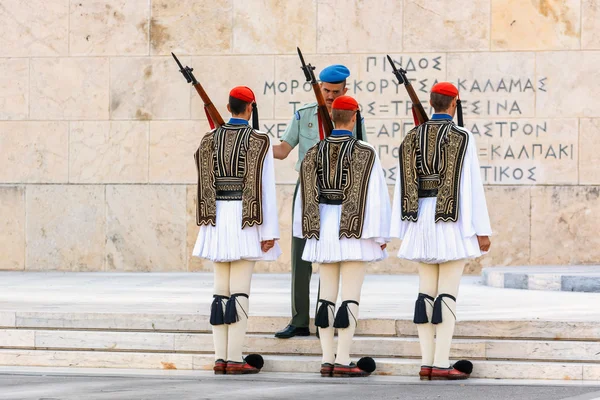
(304, 131)
(439, 210)
(236, 211)
(342, 210)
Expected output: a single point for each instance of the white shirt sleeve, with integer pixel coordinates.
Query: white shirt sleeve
(297, 221)
(473, 210)
(398, 226)
(378, 210)
(270, 226)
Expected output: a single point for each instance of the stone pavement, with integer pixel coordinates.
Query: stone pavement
(96, 384)
(383, 296)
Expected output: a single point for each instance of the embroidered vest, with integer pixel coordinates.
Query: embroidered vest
(229, 163)
(336, 171)
(430, 165)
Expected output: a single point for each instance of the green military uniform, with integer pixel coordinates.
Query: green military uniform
(303, 131)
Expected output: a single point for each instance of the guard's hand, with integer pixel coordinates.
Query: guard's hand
(267, 245)
(484, 243)
(383, 246)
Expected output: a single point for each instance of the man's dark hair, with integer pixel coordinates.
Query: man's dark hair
(237, 106)
(342, 116)
(440, 102)
(337, 83)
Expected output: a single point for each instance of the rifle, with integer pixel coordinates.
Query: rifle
(214, 118)
(419, 113)
(322, 106)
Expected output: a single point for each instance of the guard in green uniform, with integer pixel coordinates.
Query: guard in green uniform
(303, 131)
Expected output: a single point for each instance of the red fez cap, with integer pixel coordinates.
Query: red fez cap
(445, 88)
(345, 103)
(243, 93)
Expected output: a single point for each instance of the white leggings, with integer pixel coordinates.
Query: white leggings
(352, 275)
(230, 278)
(434, 280)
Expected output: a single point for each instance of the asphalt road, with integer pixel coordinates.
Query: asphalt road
(99, 386)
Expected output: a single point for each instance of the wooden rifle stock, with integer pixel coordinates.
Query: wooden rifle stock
(210, 108)
(324, 117)
(419, 111)
(417, 106)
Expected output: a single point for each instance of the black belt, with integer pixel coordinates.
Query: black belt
(428, 193)
(229, 195)
(325, 200)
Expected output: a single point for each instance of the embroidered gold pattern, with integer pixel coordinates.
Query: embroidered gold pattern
(206, 204)
(355, 193)
(252, 194)
(311, 222)
(446, 207)
(409, 181)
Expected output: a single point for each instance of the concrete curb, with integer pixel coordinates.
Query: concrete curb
(551, 278)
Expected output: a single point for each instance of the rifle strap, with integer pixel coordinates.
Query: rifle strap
(210, 121)
(414, 113)
(320, 122)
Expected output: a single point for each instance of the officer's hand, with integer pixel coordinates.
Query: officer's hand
(267, 245)
(383, 246)
(484, 243)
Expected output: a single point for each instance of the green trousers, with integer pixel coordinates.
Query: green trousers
(301, 274)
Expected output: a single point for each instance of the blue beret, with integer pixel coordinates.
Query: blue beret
(334, 73)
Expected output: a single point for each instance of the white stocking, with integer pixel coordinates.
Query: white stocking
(449, 281)
(428, 284)
(221, 287)
(353, 275)
(240, 279)
(329, 276)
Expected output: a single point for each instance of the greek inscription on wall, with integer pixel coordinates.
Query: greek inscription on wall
(513, 146)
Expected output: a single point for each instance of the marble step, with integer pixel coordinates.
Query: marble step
(308, 364)
(567, 351)
(509, 329)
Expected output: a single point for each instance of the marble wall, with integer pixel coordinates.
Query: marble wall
(98, 128)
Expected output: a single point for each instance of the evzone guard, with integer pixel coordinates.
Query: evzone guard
(237, 215)
(343, 211)
(440, 213)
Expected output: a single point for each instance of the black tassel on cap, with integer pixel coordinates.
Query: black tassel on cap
(255, 123)
(217, 316)
(459, 113)
(359, 132)
(322, 317)
(421, 309)
(437, 308)
(231, 314)
(341, 318)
